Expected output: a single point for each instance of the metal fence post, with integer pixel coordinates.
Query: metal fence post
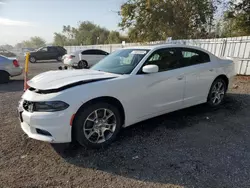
(223, 49)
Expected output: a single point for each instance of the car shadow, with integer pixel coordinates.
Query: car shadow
(12, 86)
(186, 147)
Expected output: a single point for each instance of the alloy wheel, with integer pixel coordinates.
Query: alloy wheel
(32, 59)
(217, 93)
(99, 126)
(82, 64)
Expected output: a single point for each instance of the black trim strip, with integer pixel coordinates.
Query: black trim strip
(67, 86)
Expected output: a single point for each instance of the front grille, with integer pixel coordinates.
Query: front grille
(28, 106)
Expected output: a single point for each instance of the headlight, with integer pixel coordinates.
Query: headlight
(51, 106)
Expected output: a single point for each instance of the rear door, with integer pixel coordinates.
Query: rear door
(199, 73)
(53, 53)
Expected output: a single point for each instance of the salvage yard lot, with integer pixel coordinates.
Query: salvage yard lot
(195, 147)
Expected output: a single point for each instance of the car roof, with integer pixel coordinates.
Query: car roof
(160, 46)
(82, 50)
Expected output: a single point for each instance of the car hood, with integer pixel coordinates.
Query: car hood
(57, 79)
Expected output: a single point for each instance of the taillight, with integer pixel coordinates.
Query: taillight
(71, 57)
(15, 63)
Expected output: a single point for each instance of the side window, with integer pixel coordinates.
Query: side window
(52, 49)
(45, 49)
(100, 52)
(165, 59)
(155, 57)
(94, 52)
(193, 57)
(87, 52)
(61, 49)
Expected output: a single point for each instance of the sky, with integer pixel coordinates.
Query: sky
(22, 19)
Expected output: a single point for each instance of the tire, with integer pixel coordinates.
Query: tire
(4, 77)
(217, 93)
(32, 59)
(59, 58)
(90, 129)
(82, 64)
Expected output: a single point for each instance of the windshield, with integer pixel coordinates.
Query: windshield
(121, 61)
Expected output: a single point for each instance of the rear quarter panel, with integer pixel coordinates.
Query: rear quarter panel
(5, 65)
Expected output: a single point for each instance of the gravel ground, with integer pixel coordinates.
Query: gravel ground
(196, 147)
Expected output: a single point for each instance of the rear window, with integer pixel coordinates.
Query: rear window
(193, 56)
(61, 48)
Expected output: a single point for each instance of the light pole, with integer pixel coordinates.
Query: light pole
(97, 40)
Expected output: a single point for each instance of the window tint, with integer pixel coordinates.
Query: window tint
(155, 57)
(59, 48)
(52, 49)
(87, 52)
(173, 58)
(94, 52)
(165, 59)
(100, 52)
(193, 57)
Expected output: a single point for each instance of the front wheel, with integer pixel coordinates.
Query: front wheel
(217, 92)
(97, 125)
(82, 64)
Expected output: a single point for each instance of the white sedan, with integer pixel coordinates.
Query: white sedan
(128, 86)
(84, 58)
(9, 67)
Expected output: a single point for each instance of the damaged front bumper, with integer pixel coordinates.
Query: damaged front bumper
(53, 127)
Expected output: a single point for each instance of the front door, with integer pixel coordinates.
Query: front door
(160, 92)
(42, 54)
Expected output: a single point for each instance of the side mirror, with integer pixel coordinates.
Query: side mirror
(150, 69)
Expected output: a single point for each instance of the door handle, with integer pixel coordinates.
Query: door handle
(180, 77)
(211, 70)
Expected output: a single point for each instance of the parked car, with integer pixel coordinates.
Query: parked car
(128, 86)
(9, 67)
(7, 53)
(84, 58)
(47, 53)
(25, 50)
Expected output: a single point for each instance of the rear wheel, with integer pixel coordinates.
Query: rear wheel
(32, 59)
(82, 64)
(217, 92)
(97, 125)
(4, 77)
